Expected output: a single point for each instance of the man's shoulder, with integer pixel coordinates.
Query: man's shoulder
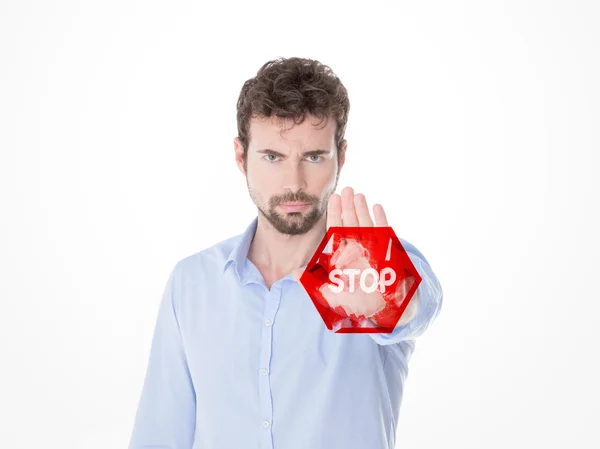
(207, 259)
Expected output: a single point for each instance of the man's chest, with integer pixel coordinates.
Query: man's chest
(234, 338)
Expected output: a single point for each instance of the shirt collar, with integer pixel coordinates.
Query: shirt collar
(239, 253)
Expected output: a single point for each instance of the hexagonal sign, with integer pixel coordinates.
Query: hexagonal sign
(364, 283)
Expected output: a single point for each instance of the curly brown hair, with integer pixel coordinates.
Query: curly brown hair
(292, 88)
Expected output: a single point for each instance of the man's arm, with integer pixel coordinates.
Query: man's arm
(423, 308)
(166, 412)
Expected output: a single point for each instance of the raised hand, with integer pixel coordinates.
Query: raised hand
(350, 210)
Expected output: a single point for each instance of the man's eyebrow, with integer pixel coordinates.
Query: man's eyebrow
(318, 152)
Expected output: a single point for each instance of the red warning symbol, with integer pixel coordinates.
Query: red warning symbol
(364, 282)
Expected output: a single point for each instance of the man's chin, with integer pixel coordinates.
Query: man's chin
(293, 224)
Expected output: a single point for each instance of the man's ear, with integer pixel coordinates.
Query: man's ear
(239, 154)
(342, 155)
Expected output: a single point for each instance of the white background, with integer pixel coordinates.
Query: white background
(474, 123)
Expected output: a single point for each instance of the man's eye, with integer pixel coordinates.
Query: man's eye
(270, 155)
(316, 157)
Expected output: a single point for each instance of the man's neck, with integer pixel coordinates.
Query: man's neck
(276, 255)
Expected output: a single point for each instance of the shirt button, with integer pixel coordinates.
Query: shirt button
(264, 371)
(268, 323)
(266, 424)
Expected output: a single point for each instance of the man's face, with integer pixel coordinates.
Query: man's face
(291, 174)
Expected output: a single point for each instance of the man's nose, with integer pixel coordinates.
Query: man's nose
(293, 178)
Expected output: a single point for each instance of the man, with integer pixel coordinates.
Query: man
(240, 357)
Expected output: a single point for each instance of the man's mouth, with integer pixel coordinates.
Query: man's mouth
(294, 207)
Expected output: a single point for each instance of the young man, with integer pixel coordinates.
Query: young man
(240, 356)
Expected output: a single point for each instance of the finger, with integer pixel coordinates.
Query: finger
(379, 213)
(362, 211)
(334, 211)
(349, 217)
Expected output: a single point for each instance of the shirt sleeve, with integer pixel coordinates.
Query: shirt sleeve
(429, 297)
(166, 413)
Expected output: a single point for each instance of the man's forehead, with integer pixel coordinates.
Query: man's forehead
(309, 132)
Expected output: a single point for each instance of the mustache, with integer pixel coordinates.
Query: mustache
(293, 198)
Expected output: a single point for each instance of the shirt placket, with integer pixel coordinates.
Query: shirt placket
(264, 372)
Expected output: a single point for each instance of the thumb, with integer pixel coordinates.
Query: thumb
(297, 273)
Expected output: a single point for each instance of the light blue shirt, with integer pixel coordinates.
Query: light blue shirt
(234, 365)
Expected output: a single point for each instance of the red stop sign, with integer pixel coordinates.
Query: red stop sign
(364, 283)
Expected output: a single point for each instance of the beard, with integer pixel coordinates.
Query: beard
(293, 223)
